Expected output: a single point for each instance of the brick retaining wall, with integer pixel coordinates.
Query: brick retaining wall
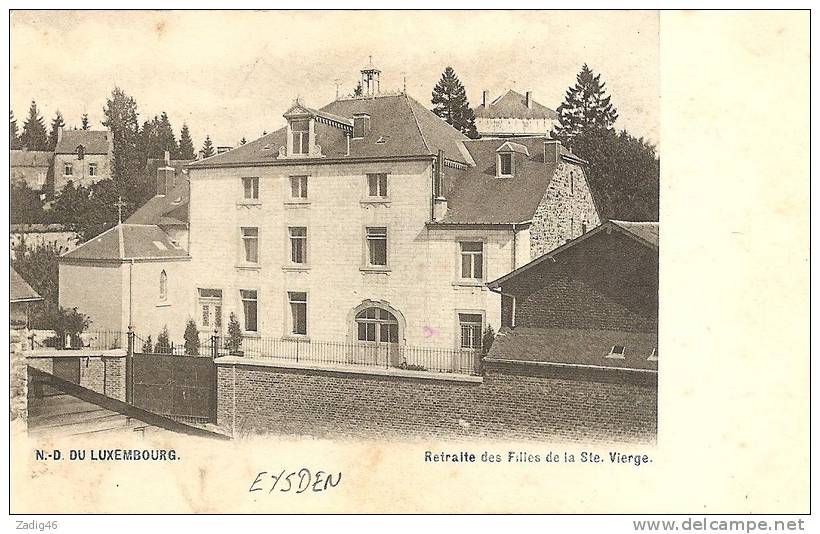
(513, 402)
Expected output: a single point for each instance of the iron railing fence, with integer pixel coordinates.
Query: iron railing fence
(366, 354)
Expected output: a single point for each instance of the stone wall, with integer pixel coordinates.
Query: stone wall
(517, 402)
(566, 211)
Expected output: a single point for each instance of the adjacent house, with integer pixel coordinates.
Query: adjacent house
(142, 264)
(513, 114)
(31, 167)
(589, 304)
(82, 156)
(372, 220)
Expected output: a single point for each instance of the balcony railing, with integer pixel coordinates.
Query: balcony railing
(362, 354)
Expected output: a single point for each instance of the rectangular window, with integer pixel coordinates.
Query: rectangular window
(470, 324)
(298, 312)
(472, 260)
(301, 135)
(210, 306)
(298, 244)
(377, 185)
(249, 307)
(251, 188)
(250, 244)
(92, 169)
(68, 169)
(505, 164)
(298, 186)
(377, 246)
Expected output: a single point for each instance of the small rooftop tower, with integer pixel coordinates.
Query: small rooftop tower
(370, 79)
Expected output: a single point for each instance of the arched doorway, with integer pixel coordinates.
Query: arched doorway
(377, 325)
(377, 331)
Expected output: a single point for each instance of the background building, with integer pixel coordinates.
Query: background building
(82, 156)
(513, 114)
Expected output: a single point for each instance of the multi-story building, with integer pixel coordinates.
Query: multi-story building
(373, 220)
(82, 156)
(513, 114)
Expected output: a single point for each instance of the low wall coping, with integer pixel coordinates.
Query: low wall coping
(78, 353)
(348, 369)
(526, 363)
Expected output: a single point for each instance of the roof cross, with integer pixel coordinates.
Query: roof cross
(120, 205)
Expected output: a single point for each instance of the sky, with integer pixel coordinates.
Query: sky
(233, 74)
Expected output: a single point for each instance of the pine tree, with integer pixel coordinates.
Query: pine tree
(14, 139)
(186, 145)
(34, 135)
(56, 123)
(586, 108)
(122, 118)
(191, 338)
(166, 140)
(623, 170)
(148, 346)
(85, 123)
(451, 104)
(207, 148)
(163, 345)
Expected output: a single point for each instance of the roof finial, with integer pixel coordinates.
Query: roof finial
(120, 204)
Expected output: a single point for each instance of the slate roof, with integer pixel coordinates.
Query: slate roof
(399, 126)
(479, 197)
(645, 233)
(576, 347)
(94, 141)
(513, 105)
(126, 242)
(165, 210)
(30, 158)
(20, 290)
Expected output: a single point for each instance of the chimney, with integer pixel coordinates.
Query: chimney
(167, 159)
(552, 151)
(529, 99)
(361, 125)
(59, 134)
(485, 98)
(166, 180)
(439, 201)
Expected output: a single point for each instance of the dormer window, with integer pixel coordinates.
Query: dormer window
(505, 164)
(361, 125)
(301, 136)
(617, 351)
(80, 152)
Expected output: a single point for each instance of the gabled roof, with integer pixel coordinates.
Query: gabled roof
(126, 242)
(94, 141)
(479, 197)
(20, 290)
(645, 233)
(576, 347)
(513, 105)
(509, 146)
(170, 209)
(399, 127)
(30, 158)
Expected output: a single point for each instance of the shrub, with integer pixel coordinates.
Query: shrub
(234, 335)
(163, 343)
(69, 323)
(412, 367)
(148, 346)
(191, 338)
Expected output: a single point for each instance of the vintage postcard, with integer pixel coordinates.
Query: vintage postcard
(368, 261)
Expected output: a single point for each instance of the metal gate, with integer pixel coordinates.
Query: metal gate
(180, 387)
